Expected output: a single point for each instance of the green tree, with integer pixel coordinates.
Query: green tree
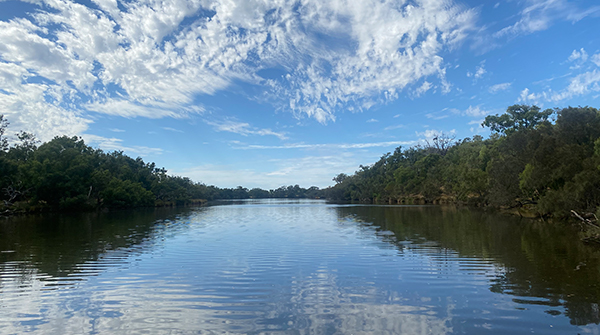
(25, 148)
(60, 171)
(126, 194)
(517, 117)
(465, 175)
(579, 126)
(340, 178)
(258, 193)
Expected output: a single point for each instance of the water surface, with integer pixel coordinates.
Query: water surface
(295, 267)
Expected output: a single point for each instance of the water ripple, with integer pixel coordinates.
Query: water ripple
(291, 266)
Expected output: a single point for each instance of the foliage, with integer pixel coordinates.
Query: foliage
(552, 167)
(517, 117)
(66, 174)
(528, 160)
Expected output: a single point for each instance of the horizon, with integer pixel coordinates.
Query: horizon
(254, 94)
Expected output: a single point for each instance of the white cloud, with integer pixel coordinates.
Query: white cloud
(471, 111)
(22, 45)
(576, 55)
(475, 111)
(154, 58)
(243, 128)
(499, 87)
(479, 72)
(172, 129)
(386, 48)
(306, 171)
(579, 85)
(429, 134)
(436, 116)
(34, 108)
(116, 144)
(130, 109)
(578, 58)
(477, 127)
(596, 59)
(575, 14)
(238, 145)
(372, 120)
(582, 84)
(538, 15)
(534, 16)
(422, 89)
(584, 79)
(398, 126)
(528, 97)
(323, 162)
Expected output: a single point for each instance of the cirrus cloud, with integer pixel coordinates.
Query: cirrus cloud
(586, 81)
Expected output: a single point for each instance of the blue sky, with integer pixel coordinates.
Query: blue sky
(277, 92)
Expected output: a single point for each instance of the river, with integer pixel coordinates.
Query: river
(295, 267)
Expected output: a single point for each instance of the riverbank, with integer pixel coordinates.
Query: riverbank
(587, 223)
(535, 164)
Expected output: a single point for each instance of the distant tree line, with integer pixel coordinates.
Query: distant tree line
(547, 161)
(295, 192)
(66, 174)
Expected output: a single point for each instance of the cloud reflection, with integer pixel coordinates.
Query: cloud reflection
(316, 305)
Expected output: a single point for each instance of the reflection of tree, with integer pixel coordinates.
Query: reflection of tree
(57, 245)
(545, 263)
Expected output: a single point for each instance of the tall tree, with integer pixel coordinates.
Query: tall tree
(25, 148)
(517, 117)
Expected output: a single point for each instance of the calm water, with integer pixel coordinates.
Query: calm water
(295, 267)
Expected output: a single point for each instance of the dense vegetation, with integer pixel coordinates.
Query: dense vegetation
(66, 174)
(547, 161)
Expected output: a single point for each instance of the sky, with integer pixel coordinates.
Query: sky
(266, 93)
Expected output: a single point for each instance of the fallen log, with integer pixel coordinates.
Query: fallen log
(588, 220)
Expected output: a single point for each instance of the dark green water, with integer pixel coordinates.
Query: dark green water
(295, 267)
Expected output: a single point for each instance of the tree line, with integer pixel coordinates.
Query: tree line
(67, 174)
(547, 162)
